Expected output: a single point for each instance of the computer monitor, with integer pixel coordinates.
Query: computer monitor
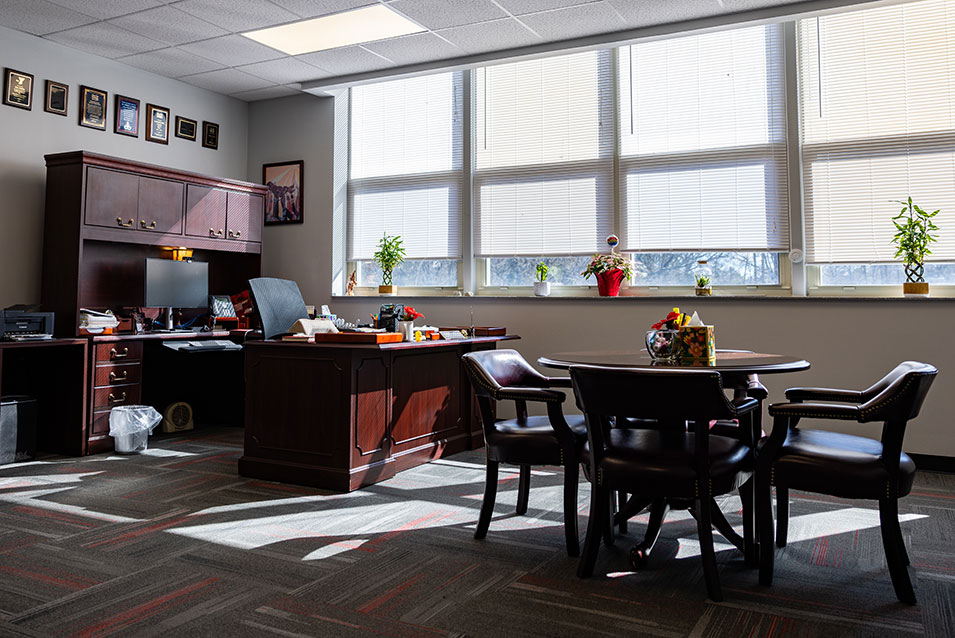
(176, 284)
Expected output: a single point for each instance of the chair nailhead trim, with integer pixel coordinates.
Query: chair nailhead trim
(894, 397)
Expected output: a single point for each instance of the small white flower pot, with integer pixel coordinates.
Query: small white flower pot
(542, 288)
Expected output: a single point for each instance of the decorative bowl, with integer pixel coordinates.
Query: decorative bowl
(663, 344)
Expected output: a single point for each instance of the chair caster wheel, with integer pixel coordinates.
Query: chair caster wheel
(639, 559)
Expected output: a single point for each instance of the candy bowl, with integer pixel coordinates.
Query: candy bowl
(663, 344)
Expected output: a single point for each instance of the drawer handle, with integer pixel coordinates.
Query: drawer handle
(116, 355)
(113, 399)
(214, 233)
(235, 234)
(113, 378)
(129, 224)
(151, 226)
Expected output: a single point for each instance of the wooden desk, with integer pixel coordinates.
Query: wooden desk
(54, 373)
(341, 416)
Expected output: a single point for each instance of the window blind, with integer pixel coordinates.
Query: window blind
(703, 162)
(877, 104)
(405, 168)
(543, 153)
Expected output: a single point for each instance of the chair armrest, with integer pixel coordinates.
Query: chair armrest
(816, 411)
(530, 394)
(824, 394)
(559, 382)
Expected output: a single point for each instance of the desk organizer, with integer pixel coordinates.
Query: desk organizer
(698, 343)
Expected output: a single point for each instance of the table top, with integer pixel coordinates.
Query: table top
(727, 361)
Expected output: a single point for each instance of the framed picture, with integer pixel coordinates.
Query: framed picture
(210, 135)
(18, 89)
(157, 124)
(283, 201)
(126, 116)
(93, 108)
(186, 128)
(56, 97)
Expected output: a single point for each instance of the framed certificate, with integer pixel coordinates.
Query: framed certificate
(92, 108)
(157, 124)
(57, 95)
(126, 116)
(210, 135)
(18, 89)
(186, 128)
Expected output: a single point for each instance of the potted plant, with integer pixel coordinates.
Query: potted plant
(610, 270)
(914, 234)
(542, 286)
(703, 277)
(389, 255)
(406, 323)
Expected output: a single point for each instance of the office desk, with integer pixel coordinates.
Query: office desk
(54, 373)
(341, 416)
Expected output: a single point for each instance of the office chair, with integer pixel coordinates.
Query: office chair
(279, 304)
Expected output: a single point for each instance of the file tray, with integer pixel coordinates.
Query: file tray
(357, 337)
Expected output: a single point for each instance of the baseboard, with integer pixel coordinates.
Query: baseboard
(934, 463)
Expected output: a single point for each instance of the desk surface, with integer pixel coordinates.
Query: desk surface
(156, 336)
(729, 361)
(44, 343)
(402, 345)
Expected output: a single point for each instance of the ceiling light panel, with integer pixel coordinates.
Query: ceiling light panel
(376, 22)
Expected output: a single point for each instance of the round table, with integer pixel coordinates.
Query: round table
(739, 370)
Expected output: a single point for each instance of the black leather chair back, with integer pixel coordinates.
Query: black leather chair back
(279, 304)
(899, 395)
(492, 370)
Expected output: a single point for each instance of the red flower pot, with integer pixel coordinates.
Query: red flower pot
(608, 283)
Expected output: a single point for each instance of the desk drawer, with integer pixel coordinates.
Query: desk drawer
(116, 395)
(119, 351)
(105, 375)
(100, 423)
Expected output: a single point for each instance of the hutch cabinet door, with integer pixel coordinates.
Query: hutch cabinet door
(205, 211)
(246, 215)
(112, 198)
(160, 206)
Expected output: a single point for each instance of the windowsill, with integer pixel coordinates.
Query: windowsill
(658, 297)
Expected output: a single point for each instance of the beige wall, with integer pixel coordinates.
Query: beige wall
(26, 136)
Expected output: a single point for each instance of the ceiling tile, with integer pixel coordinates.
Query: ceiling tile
(226, 81)
(345, 60)
(232, 50)
(106, 9)
(267, 93)
(642, 14)
(521, 7)
(169, 25)
(315, 8)
(745, 5)
(39, 17)
(284, 70)
(106, 40)
(491, 36)
(441, 14)
(575, 22)
(415, 48)
(170, 62)
(238, 15)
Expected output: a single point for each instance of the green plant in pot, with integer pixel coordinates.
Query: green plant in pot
(913, 235)
(542, 286)
(389, 255)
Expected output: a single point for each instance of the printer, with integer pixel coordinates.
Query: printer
(19, 324)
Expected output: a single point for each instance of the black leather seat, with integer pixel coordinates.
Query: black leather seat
(844, 465)
(499, 375)
(673, 461)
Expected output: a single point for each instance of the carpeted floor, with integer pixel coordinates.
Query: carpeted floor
(174, 542)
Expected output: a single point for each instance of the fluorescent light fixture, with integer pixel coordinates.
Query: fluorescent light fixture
(341, 29)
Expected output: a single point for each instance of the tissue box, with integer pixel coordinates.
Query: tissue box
(698, 343)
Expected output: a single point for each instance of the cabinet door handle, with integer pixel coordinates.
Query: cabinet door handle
(113, 378)
(151, 226)
(213, 233)
(113, 399)
(116, 355)
(129, 224)
(235, 234)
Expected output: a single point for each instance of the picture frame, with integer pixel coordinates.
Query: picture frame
(210, 135)
(285, 197)
(186, 129)
(93, 108)
(18, 89)
(56, 98)
(126, 116)
(157, 124)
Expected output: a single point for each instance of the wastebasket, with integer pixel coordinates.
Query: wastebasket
(130, 427)
(17, 428)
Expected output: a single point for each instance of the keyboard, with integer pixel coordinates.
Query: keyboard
(26, 336)
(210, 344)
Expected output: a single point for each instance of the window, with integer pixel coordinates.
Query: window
(703, 155)
(877, 104)
(406, 175)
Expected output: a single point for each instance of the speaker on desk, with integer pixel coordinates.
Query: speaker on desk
(177, 417)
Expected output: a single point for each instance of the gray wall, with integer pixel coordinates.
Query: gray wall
(26, 136)
(850, 343)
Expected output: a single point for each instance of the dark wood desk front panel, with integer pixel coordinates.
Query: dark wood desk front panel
(343, 416)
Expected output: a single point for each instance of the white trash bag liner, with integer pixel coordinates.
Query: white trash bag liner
(130, 425)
